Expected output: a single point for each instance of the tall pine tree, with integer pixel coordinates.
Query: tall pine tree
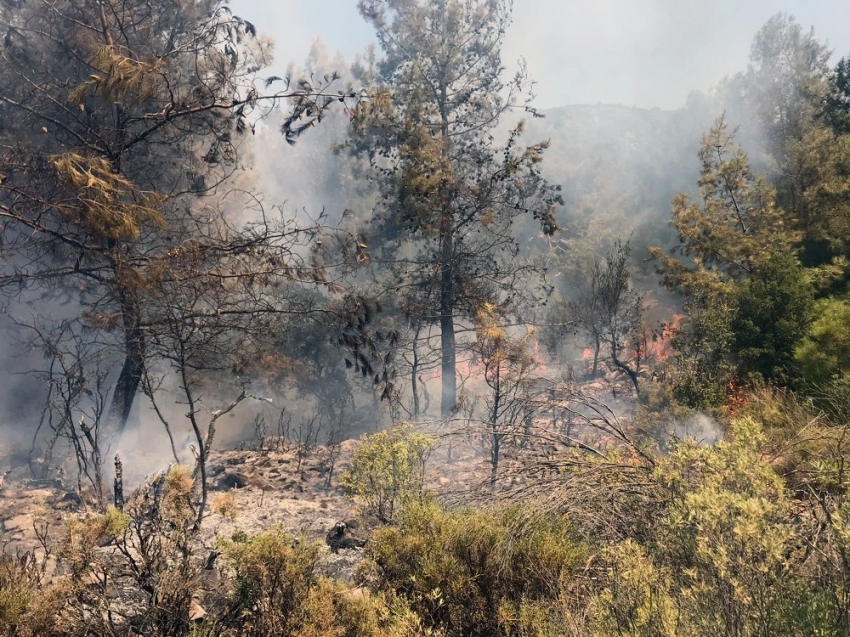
(450, 196)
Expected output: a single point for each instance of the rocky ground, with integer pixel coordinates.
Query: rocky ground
(252, 490)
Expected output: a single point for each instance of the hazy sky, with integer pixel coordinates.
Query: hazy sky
(634, 52)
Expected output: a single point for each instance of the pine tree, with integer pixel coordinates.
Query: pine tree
(449, 195)
(119, 117)
(732, 230)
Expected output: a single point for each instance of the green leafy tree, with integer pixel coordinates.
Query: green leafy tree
(702, 369)
(786, 81)
(837, 105)
(796, 101)
(774, 311)
(723, 238)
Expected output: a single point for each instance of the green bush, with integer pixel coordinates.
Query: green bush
(272, 575)
(477, 572)
(20, 579)
(728, 525)
(636, 601)
(825, 351)
(726, 558)
(276, 591)
(774, 311)
(387, 470)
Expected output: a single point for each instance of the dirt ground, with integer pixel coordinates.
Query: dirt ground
(251, 491)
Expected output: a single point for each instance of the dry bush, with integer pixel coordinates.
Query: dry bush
(799, 438)
(134, 570)
(225, 505)
(123, 573)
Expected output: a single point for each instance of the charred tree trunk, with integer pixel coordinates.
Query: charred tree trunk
(496, 442)
(132, 370)
(598, 345)
(494, 459)
(623, 367)
(414, 379)
(447, 344)
(118, 484)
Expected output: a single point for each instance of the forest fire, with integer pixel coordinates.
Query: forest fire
(448, 365)
(660, 347)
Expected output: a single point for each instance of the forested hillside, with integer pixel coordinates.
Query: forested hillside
(380, 348)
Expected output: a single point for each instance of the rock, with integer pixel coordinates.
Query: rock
(348, 447)
(344, 535)
(19, 523)
(241, 479)
(233, 480)
(342, 566)
(47, 483)
(196, 613)
(71, 497)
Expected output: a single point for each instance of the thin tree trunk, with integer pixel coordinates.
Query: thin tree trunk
(494, 459)
(447, 326)
(494, 427)
(414, 370)
(132, 370)
(595, 369)
(448, 348)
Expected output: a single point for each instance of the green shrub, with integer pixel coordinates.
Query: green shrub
(477, 572)
(774, 311)
(387, 470)
(20, 579)
(276, 591)
(636, 601)
(728, 525)
(726, 558)
(824, 354)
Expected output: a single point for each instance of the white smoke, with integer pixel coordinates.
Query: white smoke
(701, 428)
